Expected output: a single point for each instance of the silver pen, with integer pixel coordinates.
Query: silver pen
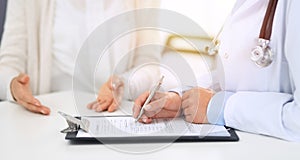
(152, 93)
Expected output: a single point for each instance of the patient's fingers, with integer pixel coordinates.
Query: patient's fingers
(36, 109)
(96, 106)
(103, 106)
(113, 107)
(90, 105)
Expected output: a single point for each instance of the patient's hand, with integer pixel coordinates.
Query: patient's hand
(109, 96)
(20, 90)
(162, 105)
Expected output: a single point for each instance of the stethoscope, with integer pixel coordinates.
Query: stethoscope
(262, 54)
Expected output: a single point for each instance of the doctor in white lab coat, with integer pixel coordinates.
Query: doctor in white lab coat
(262, 100)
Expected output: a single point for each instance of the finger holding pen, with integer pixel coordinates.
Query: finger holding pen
(149, 111)
(145, 99)
(156, 105)
(162, 105)
(138, 106)
(138, 103)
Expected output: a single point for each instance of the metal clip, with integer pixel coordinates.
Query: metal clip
(75, 124)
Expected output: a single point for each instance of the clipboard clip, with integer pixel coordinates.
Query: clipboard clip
(74, 123)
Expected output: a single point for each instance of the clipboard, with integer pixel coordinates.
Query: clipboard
(81, 125)
(77, 129)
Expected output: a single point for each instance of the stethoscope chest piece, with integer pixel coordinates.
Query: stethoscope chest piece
(262, 54)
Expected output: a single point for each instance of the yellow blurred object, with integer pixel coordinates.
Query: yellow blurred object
(188, 44)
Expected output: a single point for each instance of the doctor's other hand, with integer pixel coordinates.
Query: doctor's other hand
(162, 105)
(109, 96)
(21, 92)
(194, 104)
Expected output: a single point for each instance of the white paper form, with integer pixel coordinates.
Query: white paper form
(127, 127)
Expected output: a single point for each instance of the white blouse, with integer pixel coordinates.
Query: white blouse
(72, 24)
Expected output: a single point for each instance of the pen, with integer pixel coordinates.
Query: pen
(152, 93)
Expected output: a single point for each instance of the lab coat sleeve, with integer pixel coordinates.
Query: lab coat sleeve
(263, 113)
(13, 46)
(215, 108)
(145, 70)
(271, 113)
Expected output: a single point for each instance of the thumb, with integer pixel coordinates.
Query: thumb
(23, 78)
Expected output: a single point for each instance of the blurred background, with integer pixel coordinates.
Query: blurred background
(209, 14)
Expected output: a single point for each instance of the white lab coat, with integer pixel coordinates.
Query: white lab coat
(265, 100)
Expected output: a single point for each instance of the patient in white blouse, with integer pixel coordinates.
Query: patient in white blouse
(42, 40)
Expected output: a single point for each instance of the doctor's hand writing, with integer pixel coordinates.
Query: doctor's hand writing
(109, 96)
(162, 105)
(194, 104)
(20, 90)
